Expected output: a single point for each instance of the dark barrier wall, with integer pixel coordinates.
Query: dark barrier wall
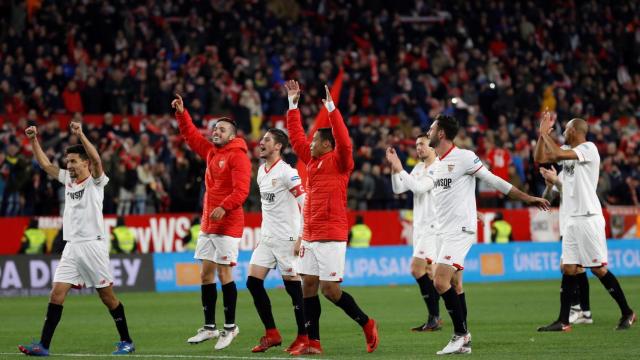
(24, 275)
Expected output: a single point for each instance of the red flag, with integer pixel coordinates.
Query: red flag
(322, 120)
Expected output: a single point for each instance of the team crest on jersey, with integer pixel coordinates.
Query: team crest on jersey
(220, 164)
(450, 167)
(274, 182)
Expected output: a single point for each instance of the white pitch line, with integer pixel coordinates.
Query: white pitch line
(165, 356)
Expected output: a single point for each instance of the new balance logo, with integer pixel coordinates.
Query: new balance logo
(332, 274)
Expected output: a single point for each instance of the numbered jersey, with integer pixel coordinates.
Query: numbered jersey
(280, 185)
(83, 219)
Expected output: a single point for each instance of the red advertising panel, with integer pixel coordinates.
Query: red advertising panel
(164, 232)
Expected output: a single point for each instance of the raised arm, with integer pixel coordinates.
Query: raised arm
(402, 181)
(344, 147)
(298, 139)
(38, 153)
(198, 143)
(94, 158)
(540, 153)
(555, 152)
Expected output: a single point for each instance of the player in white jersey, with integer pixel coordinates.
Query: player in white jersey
(85, 260)
(425, 249)
(282, 196)
(580, 303)
(584, 240)
(454, 185)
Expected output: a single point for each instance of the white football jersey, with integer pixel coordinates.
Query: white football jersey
(455, 191)
(83, 219)
(580, 181)
(279, 187)
(562, 213)
(424, 210)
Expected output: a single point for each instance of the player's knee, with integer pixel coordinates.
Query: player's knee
(599, 271)
(254, 284)
(207, 277)
(56, 297)
(441, 284)
(225, 274)
(569, 269)
(417, 271)
(332, 292)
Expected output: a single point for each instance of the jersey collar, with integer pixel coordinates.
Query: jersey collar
(447, 153)
(272, 166)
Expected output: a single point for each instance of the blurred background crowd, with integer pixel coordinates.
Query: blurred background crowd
(494, 65)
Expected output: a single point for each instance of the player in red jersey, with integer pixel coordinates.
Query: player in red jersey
(227, 179)
(329, 162)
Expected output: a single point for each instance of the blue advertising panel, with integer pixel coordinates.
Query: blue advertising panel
(390, 265)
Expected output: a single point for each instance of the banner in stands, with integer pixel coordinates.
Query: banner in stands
(25, 275)
(164, 232)
(390, 265)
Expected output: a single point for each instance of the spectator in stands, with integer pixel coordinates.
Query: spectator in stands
(502, 67)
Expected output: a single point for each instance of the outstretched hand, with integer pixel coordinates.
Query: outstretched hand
(327, 95)
(394, 160)
(76, 128)
(546, 123)
(540, 203)
(550, 175)
(31, 132)
(178, 104)
(293, 90)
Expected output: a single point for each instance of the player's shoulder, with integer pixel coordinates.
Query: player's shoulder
(588, 146)
(465, 155)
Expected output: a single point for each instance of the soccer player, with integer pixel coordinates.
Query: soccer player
(454, 184)
(227, 179)
(424, 237)
(85, 259)
(329, 162)
(584, 242)
(580, 305)
(282, 197)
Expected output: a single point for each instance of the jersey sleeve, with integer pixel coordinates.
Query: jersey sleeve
(62, 176)
(292, 182)
(585, 152)
(494, 181)
(471, 163)
(563, 147)
(101, 181)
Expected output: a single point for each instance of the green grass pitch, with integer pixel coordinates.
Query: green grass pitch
(502, 319)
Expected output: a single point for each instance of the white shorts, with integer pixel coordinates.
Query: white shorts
(85, 264)
(425, 246)
(323, 258)
(585, 242)
(454, 248)
(220, 249)
(272, 252)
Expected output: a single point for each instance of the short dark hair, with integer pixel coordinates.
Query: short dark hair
(327, 134)
(280, 137)
(230, 121)
(77, 149)
(422, 135)
(449, 125)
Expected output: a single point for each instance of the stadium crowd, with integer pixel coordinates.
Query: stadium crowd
(493, 65)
